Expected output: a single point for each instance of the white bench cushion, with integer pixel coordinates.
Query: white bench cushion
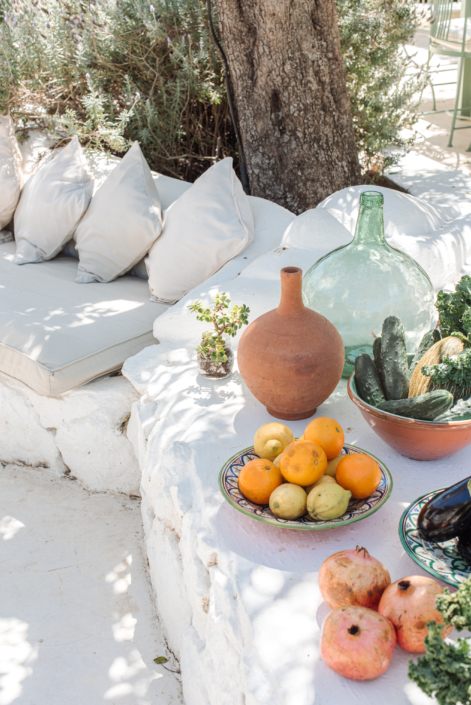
(56, 335)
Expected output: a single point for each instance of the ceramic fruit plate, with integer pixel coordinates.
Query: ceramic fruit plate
(357, 509)
(441, 560)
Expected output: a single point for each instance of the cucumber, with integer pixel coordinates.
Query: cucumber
(427, 407)
(394, 359)
(377, 357)
(459, 412)
(367, 380)
(429, 339)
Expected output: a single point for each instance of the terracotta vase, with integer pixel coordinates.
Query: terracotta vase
(291, 358)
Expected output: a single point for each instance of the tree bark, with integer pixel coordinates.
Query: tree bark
(288, 84)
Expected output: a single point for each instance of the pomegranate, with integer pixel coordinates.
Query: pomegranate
(353, 578)
(410, 604)
(357, 642)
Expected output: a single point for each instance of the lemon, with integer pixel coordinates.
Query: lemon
(277, 460)
(271, 439)
(327, 501)
(331, 468)
(288, 501)
(325, 479)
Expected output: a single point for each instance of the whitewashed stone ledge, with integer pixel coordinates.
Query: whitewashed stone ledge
(82, 434)
(239, 600)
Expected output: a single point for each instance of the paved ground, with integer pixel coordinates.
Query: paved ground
(77, 623)
(432, 131)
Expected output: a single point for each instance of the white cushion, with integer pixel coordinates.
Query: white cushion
(56, 335)
(52, 203)
(440, 244)
(208, 225)
(121, 223)
(11, 178)
(403, 213)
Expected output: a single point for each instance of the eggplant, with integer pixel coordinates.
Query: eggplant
(447, 515)
(464, 545)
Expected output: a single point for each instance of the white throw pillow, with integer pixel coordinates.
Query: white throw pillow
(122, 222)
(52, 203)
(11, 177)
(202, 230)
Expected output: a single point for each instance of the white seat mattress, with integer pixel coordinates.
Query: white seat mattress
(56, 335)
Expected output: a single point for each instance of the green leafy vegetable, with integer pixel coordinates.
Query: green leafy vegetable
(461, 411)
(456, 607)
(455, 309)
(445, 670)
(455, 369)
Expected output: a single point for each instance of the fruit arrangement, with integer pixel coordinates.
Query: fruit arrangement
(437, 385)
(370, 614)
(447, 516)
(312, 475)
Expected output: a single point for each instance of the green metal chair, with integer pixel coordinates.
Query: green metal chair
(448, 37)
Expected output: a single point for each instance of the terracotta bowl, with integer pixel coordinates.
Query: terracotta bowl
(419, 440)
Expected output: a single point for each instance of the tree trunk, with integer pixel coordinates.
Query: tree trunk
(288, 85)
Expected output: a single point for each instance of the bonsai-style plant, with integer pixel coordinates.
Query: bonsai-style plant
(213, 347)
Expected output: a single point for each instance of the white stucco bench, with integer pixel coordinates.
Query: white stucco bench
(56, 336)
(239, 600)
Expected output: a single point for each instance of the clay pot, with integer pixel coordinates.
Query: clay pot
(291, 358)
(419, 440)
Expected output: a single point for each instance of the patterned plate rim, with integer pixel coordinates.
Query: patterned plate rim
(411, 554)
(314, 527)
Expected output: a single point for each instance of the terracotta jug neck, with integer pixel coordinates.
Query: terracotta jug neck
(291, 303)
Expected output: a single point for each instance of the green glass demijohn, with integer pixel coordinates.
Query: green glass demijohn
(360, 284)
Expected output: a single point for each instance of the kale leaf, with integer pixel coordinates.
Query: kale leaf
(445, 670)
(455, 369)
(455, 309)
(456, 607)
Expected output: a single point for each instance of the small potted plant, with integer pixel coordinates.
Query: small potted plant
(215, 356)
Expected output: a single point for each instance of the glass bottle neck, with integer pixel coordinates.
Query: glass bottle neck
(370, 223)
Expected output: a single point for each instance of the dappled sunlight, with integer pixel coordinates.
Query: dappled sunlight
(286, 633)
(16, 657)
(123, 630)
(120, 576)
(90, 313)
(9, 526)
(124, 669)
(130, 676)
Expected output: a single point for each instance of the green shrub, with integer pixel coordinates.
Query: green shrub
(112, 71)
(115, 71)
(382, 87)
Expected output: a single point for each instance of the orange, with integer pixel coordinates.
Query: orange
(258, 479)
(328, 434)
(303, 463)
(358, 473)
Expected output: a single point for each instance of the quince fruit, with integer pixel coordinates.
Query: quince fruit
(327, 501)
(288, 501)
(271, 439)
(324, 480)
(331, 468)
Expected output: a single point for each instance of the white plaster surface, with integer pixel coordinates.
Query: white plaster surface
(82, 433)
(77, 621)
(247, 609)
